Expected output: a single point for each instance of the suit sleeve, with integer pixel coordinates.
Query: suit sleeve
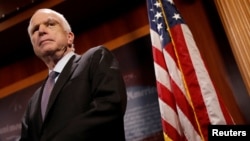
(24, 126)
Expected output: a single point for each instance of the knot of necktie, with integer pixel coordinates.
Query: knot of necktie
(53, 74)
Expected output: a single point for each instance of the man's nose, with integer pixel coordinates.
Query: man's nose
(42, 29)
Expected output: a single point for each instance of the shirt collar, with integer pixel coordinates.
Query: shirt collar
(62, 62)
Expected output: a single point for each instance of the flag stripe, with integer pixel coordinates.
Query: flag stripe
(172, 127)
(208, 90)
(190, 77)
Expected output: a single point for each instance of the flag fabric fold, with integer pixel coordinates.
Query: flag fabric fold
(188, 99)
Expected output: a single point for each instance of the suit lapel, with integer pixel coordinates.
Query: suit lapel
(62, 79)
(37, 110)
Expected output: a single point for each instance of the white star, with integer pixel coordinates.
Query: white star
(161, 37)
(159, 26)
(170, 1)
(158, 15)
(157, 4)
(176, 16)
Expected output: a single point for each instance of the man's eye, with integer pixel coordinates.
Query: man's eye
(34, 29)
(51, 24)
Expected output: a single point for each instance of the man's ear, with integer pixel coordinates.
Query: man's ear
(71, 37)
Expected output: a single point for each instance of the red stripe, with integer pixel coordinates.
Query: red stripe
(184, 105)
(171, 132)
(190, 78)
(166, 96)
(159, 58)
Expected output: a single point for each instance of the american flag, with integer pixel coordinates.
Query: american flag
(188, 99)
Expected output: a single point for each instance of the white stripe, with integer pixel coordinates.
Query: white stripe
(159, 71)
(174, 72)
(187, 127)
(208, 91)
(169, 115)
(155, 40)
(162, 76)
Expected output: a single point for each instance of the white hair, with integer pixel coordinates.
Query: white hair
(64, 22)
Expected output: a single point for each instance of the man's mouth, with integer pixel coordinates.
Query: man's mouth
(44, 41)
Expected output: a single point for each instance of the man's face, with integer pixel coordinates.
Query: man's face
(47, 34)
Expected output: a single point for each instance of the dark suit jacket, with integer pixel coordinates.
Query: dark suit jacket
(87, 103)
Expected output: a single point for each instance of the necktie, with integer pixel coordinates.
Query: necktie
(47, 90)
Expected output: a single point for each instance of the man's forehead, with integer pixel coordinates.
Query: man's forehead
(43, 16)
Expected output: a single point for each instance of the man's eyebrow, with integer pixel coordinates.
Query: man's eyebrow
(44, 22)
(51, 20)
